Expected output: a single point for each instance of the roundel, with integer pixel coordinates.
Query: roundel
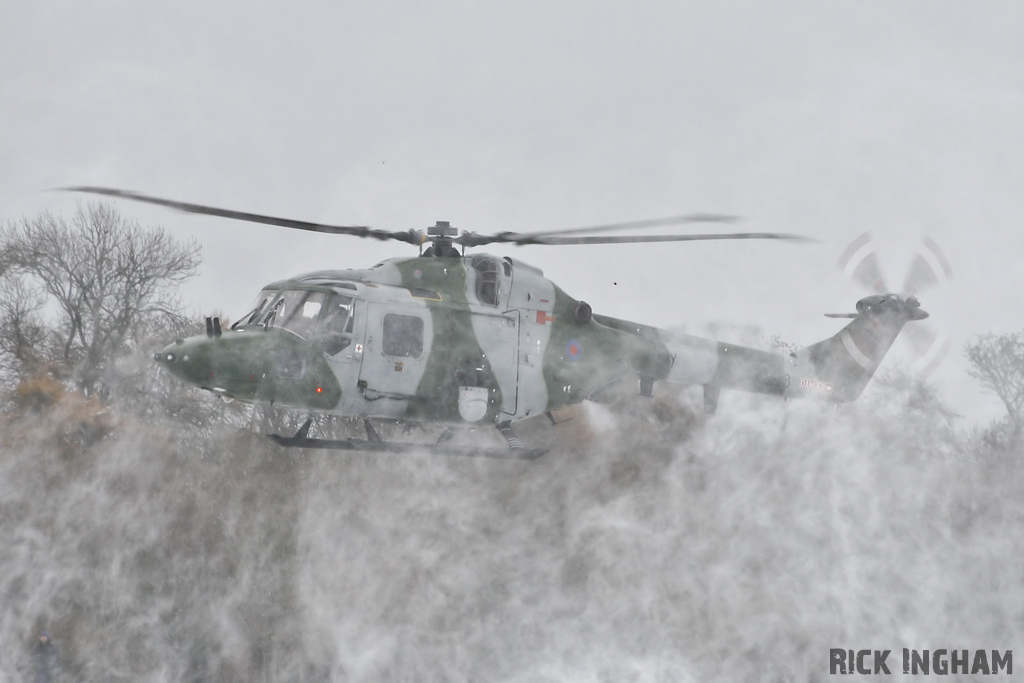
(573, 349)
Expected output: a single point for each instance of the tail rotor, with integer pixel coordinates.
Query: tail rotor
(929, 268)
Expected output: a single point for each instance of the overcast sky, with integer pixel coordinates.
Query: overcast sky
(822, 118)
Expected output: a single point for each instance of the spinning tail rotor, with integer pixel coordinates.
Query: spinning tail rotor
(928, 268)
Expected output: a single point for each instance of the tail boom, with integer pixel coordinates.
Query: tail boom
(835, 369)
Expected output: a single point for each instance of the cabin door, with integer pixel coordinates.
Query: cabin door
(498, 336)
(395, 350)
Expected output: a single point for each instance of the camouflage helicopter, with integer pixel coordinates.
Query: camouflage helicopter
(454, 338)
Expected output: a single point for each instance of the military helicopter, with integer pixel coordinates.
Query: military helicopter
(461, 338)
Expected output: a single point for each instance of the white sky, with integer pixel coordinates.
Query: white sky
(822, 118)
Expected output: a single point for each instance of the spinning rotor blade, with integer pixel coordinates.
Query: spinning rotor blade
(524, 239)
(926, 341)
(468, 239)
(630, 225)
(553, 237)
(411, 236)
(868, 271)
(921, 337)
(929, 267)
(922, 273)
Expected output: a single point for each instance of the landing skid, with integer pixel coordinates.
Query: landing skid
(374, 444)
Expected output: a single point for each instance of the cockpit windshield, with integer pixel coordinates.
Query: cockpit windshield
(259, 308)
(294, 310)
(299, 311)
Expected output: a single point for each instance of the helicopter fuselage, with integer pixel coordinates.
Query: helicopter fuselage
(479, 338)
(487, 339)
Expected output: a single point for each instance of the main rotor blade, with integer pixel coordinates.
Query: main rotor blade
(411, 236)
(475, 240)
(636, 239)
(636, 225)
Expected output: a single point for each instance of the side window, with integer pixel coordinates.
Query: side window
(403, 335)
(336, 328)
(487, 276)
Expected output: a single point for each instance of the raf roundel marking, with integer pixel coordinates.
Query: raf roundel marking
(573, 349)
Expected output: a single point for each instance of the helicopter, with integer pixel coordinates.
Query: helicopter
(478, 339)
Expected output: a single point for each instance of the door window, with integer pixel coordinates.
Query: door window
(336, 328)
(403, 335)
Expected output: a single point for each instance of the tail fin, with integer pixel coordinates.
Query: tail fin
(839, 367)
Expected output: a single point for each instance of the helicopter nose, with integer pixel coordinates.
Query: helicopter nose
(183, 359)
(211, 363)
(166, 357)
(270, 364)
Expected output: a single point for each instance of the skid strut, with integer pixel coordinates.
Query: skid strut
(373, 443)
(514, 444)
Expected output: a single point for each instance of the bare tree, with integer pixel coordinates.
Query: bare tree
(84, 292)
(997, 361)
(23, 334)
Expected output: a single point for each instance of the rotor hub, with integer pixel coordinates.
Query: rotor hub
(442, 229)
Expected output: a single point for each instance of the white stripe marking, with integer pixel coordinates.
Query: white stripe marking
(857, 354)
